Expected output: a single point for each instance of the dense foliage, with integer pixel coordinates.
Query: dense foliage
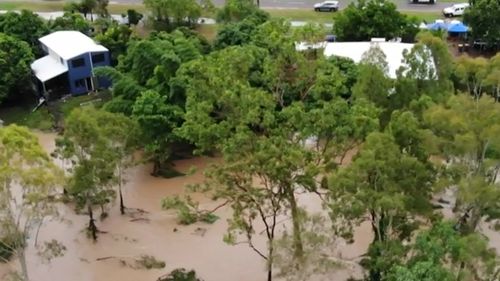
(15, 60)
(26, 26)
(364, 20)
(369, 147)
(482, 17)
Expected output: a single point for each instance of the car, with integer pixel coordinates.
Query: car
(327, 6)
(455, 10)
(423, 1)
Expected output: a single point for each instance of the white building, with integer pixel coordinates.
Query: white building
(354, 50)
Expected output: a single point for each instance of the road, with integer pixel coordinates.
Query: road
(403, 5)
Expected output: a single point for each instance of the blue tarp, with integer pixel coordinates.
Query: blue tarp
(437, 26)
(458, 28)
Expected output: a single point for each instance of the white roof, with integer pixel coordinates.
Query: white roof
(47, 68)
(355, 50)
(302, 46)
(69, 44)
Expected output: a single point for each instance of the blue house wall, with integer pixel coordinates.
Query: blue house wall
(80, 77)
(102, 81)
(78, 73)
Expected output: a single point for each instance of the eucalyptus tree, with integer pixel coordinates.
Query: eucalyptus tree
(442, 253)
(98, 144)
(29, 184)
(387, 187)
(468, 130)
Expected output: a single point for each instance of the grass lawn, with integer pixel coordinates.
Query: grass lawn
(302, 15)
(52, 6)
(427, 16)
(71, 103)
(23, 116)
(291, 14)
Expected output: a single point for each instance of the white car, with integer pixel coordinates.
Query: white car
(327, 6)
(455, 10)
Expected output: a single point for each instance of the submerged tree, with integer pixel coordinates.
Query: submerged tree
(29, 180)
(275, 145)
(97, 144)
(389, 186)
(442, 253)
(468, 130)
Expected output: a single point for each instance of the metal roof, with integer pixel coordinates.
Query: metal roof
(47, 68)
(69, 44)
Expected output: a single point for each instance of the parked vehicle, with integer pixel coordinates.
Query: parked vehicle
(423, 1)
(455, 10)
(327, 6)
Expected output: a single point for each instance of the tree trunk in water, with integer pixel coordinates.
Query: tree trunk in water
(92, 227)
(24, 266)
(122, 205)
(270, 260)
(297, 234)
(156, 167)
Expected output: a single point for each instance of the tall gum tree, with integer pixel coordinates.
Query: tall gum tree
(387, 187)
(29, 181)
(96, 158)
(468, 130)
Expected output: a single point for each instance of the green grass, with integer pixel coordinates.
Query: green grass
(291, 14)
(421, 16)
(23, 116)
(302, 15)
(75, 102)
(53, 6)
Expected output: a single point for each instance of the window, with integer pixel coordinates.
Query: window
(80, 83)
(78, 62)
(98, 58)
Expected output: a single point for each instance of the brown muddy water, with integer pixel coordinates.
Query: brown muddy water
(212, 259)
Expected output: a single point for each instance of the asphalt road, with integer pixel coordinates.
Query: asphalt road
(403, 5)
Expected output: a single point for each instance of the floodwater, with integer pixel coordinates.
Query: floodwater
(159, 235)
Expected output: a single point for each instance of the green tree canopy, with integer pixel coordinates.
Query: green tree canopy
(441, 253)
(390, 186)
(90, 142)
(374, 18)
(157, 120)
(70, 21)
(15, 60)
(26, 26)
(241, 32)
(170, 14)
(29, 180)
(482, 17)
(468, 131)
(238, 10)
(116, 39)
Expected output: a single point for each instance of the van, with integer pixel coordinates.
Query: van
(455, 10)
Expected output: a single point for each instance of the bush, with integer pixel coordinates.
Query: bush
(9, 242)
(150, 262)
(180, 274)
(6, 251)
